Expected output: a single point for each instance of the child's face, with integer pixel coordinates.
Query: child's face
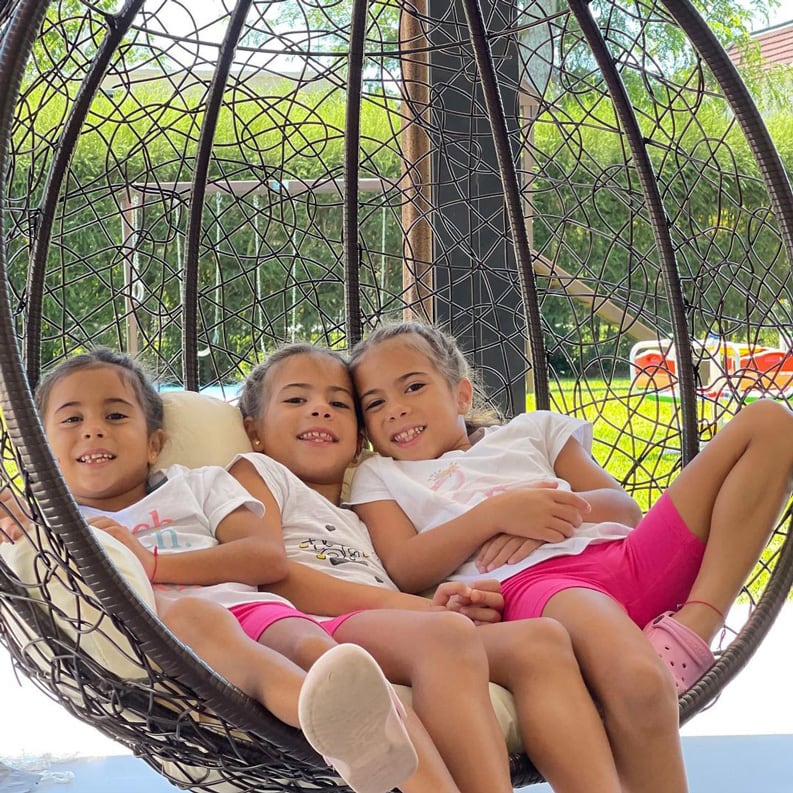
(410, 410)
(97, 431)
(308, 420)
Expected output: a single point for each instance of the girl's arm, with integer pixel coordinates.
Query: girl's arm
(249, 551)
(312, 590)
(607, 500)
(245, 554)
(538, 513)
(315, 592)
(416, 561)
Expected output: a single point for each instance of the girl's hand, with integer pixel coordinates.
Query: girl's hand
(11, 517)
(536, 512)
(504, 549)
(487, 602)
(126, 537)
(481, 601)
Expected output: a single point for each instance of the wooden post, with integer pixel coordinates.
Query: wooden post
(417, 245)
(129, 232)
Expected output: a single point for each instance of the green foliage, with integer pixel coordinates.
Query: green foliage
(266, 250)
(732, 22)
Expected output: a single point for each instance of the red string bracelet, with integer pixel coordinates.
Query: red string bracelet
(156, 553)
(703, 603)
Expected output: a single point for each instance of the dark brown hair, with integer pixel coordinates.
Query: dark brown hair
(132, 372)
(252, 399)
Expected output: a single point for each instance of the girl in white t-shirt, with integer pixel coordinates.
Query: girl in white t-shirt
(203, 543)
(300, 415)
(526, 503)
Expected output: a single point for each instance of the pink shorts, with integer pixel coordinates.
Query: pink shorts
(649, 572)
(255, 618)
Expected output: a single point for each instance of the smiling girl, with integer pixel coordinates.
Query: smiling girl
(300, 415)
(205, 547)
(530, 506)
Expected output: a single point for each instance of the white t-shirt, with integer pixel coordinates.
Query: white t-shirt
(432, 492)
(316, 532)
(181, 513)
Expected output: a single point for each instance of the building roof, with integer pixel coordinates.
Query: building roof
(776, 44)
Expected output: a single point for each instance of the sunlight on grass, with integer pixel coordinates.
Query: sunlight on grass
(637, 435)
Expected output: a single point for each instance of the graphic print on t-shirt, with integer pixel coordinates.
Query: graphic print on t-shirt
(451, 482)
(332, 552)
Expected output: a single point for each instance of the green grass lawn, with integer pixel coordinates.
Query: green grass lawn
(637, 436)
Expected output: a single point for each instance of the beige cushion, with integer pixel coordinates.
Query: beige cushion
(503, 705)
(201, 430)
(47, 578)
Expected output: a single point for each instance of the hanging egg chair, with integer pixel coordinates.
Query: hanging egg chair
(583, 193)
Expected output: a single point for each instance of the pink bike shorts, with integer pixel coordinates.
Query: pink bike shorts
(649, 572)
(256, 617)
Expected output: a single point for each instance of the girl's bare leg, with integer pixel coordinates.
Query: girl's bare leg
(432, 775)
(216, 637)
(304, 642)
(441, 656)
(265, 674)
(534, 659)
(632, 686)
(730, 496)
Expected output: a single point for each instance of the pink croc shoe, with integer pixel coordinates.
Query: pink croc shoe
(685, 653)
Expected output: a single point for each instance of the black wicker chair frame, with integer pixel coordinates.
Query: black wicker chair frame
(554, 182)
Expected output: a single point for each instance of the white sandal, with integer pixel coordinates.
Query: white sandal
(351, 715)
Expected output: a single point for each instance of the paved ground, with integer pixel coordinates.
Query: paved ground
(743, 744)
(722, 764)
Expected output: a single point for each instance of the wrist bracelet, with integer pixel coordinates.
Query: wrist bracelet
(156, 558)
